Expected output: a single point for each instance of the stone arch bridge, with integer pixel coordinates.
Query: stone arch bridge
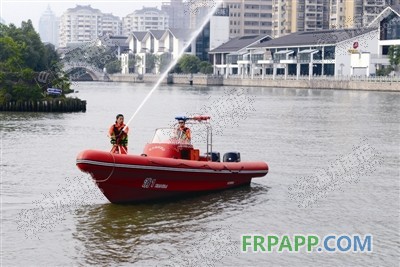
(85, 68)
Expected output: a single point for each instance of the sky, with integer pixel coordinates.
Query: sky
(16, 11)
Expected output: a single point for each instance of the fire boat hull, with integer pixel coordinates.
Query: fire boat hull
(132, 178)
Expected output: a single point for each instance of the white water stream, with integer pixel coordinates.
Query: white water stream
(217, 3)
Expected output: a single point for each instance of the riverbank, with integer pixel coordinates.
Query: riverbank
(339, 83)
(52, 105)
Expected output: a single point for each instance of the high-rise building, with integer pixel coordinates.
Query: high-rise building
(249, 17)
(84, 23)
(213, 34)
(147, 18)
(111, 24)
(276, 17)
(48, 27)
(178, 16)
(357, 13)
(299, 15)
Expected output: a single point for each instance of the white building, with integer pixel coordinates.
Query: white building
(84, 23)
(343, 52)
(48, 27)
(178, 18)
(167, 44)
(213, 34)
(111, 24)
(148, 18)
(357, 13)
(388, 23)
(219, 28)
(135, 43)
(231, 58)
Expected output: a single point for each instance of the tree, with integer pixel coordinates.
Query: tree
(133, 62)
(151, 62)
(10, 55)
(113, 66)
(394, 55)
(206, 67)
(23, 57)
(164, 60)
(189, 64)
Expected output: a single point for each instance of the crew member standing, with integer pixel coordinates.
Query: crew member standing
(182, 132)
(119, 136)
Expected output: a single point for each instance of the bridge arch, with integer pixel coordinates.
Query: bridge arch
(83, 68)
(76, 73)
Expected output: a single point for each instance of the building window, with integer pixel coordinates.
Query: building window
(329, 52)
(329, 69)
(390, 27)
(385, 50)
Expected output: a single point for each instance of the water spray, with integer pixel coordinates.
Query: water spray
(172, 64)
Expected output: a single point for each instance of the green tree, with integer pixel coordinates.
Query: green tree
(133, 62)
(189, 64)
(22, 57)
(394, 55)
(113, 66)
(384, 71)
(164, 60)
(206, 67)
(31, 47)
(151, 62)
(10, 55)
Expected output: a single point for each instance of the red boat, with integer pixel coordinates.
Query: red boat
(167, 168)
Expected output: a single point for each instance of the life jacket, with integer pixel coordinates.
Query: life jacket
(182, 133)
(122, 136)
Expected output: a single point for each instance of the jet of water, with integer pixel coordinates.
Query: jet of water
(172, 64)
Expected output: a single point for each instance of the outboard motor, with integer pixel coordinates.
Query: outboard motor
(232, 157)
(215, 156)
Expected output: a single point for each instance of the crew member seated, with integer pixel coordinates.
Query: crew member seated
(182, 132)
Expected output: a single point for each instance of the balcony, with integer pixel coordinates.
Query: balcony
(380, 59)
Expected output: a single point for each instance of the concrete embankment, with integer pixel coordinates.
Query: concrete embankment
(171, 79)
(316, 83)
(52, 105)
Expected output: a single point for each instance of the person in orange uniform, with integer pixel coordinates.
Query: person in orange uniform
(183, 133)
(119, 136)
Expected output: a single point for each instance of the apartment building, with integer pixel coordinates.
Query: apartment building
(147, 18)
(249, 17)
(276, 17)
(178, 17)
(299, 15)
(357, 13)
(111, 24)
(84, 23)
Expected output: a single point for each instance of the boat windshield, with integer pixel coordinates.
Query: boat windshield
(166, 136)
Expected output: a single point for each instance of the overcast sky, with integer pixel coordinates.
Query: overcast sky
(16, 11)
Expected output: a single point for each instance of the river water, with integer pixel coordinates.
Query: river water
(53, 215)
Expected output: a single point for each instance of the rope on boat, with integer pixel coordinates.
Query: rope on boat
(112, 171)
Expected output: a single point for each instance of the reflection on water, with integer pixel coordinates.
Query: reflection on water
(113, 234)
